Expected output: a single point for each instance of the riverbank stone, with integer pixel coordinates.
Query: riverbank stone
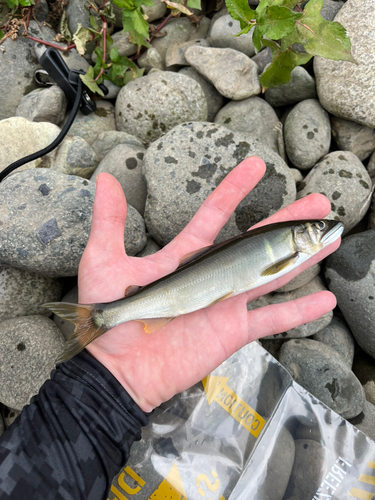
(350, 136)
(90, 126)
(222, 35)
(338, 336)
(43, 105)
(106, 141)
(301, 87)
(75, 157)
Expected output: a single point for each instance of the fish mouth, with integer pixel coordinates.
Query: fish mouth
(333, 232)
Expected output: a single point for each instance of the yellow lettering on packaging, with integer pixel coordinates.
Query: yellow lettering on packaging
(171, 487)
(364, 495)
(371, 464)
(364, 478)
(203, 478)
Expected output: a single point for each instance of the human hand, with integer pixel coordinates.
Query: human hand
(153, 368)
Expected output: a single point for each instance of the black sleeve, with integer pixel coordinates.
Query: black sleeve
(73, 437)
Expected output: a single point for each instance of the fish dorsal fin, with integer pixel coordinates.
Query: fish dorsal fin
(154, 324)
(280, 265)
(131, 290)
(189, 257)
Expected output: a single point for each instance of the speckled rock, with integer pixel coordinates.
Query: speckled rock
(152, 105)
(222, 36)
(232, 73)
(75, 157)
(307, 134)
(349, 273)
(29, 348)
(150, 248)
(253, 117)
(301, 87)
(66, 327)
(306, 330)
(338, 336)
(344, 180)
(90, 126)
(365, 421)
(22, 293)
(364, 370)
(350, 136)
(106, 141)
(184, 166)
(301, 279)
(151, 59)
(125, 163)
(324, 373)
(43, 105)
(176, 53)
(342, 85)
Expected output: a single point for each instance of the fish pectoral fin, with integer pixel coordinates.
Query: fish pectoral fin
(154, 324)
(280, 265)
(131, 290)
(226, 296)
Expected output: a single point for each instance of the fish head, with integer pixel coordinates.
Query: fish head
(311, 236)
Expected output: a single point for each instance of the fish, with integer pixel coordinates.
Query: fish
(204, 277)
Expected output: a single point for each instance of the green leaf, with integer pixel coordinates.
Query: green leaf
(89, 81)
(240, 10)
(257, 37)
(124, 4)
(133, 20)
(138, 39)
(80, 38)
(148, 3)
(280, 22)
(27, 3)
(265, 4)
(12, 3)
(245, 30)
(64, 30)
(114, 55)
(1, 33)
(93, 22)
(194, 4)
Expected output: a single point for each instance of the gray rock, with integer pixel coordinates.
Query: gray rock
(77, 13)
(41, 11)
(151, 59)
(150, 248)
(253, 117)
(307, 134)
(341, 85)
(330, 9)
(75, 157)
(222, 36)
(371, 166)
(43, 105)
(125, 164)
(273, 346)
(90, 126)
(122, 43)
(306, 330)
(184, 166)
(9, 415)
(350, 136)
(301, 279)
(344, 180)
(301, 87)
(349, 273)
(338, 336)
(297, 174)
(22, 293)
(262, 59)
(232, 73)
(152, 105)
(66, 327)
(324, 373)
(364, 370)
(113, 90)
(215, 100)
(47, 219)
(176, 53)
(365, 421)
(106, 141)
(29, 347)
(220, 13)
(371, 220)
(154, 12)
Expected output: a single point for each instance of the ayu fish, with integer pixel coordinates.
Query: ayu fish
(203, 278)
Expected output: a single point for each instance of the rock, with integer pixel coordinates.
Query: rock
(338, 336)
(262, 59)
(20, 138)
(306, 330)
(2, 425)
(113, 90)
(301, 279)
(75, 157)
(184, 166)
(253, 117)
(371, 166)
(349, 273)
(344, 180)
(215, 100)
(176, 53)
(364, 370)
(273, 346)
(150, 248)
(217, 15)
(298, 177)
(122, 43)
(41, 11)
(29, 347)
(324, 373)
(90, 126)
(152, 105)
(307, 120)
(330, 9)
(46, 220)
(350, 136)
(301, 87)
(125, 162)
(153, 12)
(9, 415)
(232, 73)
(22, 293)
(365, 421)
(43, 105)
(77, 13)
(341, 85)
(106, 141)
(66, 327)
(151, 59)
(222, 36)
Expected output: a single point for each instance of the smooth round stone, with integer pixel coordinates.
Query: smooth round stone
(324, 373)
(125, 162)
(151, 59)
(273, 346)
(365, 421)
(90, 126)
(349, 273)
(342, 178)
(330, 9)
(77, 13)
(22, 293)
(150, 248)
(222, 36)
(43, 105)
(364, 370)
(338, 336)
(106, 141)
(350, 136)
(29, 346)
(113, 90)
(75, 157)
(253, 117)
(184, 166)
(307, 134)
(371, 166)
(301, 87)
(153, 12)
(298, 177)
(262, 59)
(150, 106)
(175, 54)
(66, 327)
(232, 73)
(343, 86)
(301, 279)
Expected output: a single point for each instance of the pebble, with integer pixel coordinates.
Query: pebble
(150, 248)
(343, 86)
(186, 164)
(324, 373)
(75, 157)
(350, 136)
(90, 126)
(307, 134)
(300, 88)
(175, 54)
(151, 59)
(232, 73)
(338, 336)
(330, 9)
(29, 347)
(344, 180)
(125, 163)
(77, 13)
(364, 370)
(301, 279)
(262, 59)
(106, 141)
(223, 33)
(43, 105)
(153, 12)
(365, 421)
(371, 166)
(150, 106)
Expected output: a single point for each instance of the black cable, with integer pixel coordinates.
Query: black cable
(56, 142)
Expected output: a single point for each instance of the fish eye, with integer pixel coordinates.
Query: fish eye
(320, 225)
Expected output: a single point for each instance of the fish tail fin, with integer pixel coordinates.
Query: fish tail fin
(86, 330)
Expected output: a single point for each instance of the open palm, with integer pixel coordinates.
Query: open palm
(152, 368)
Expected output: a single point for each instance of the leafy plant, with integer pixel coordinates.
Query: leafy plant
(279, 24)
(23, 3)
